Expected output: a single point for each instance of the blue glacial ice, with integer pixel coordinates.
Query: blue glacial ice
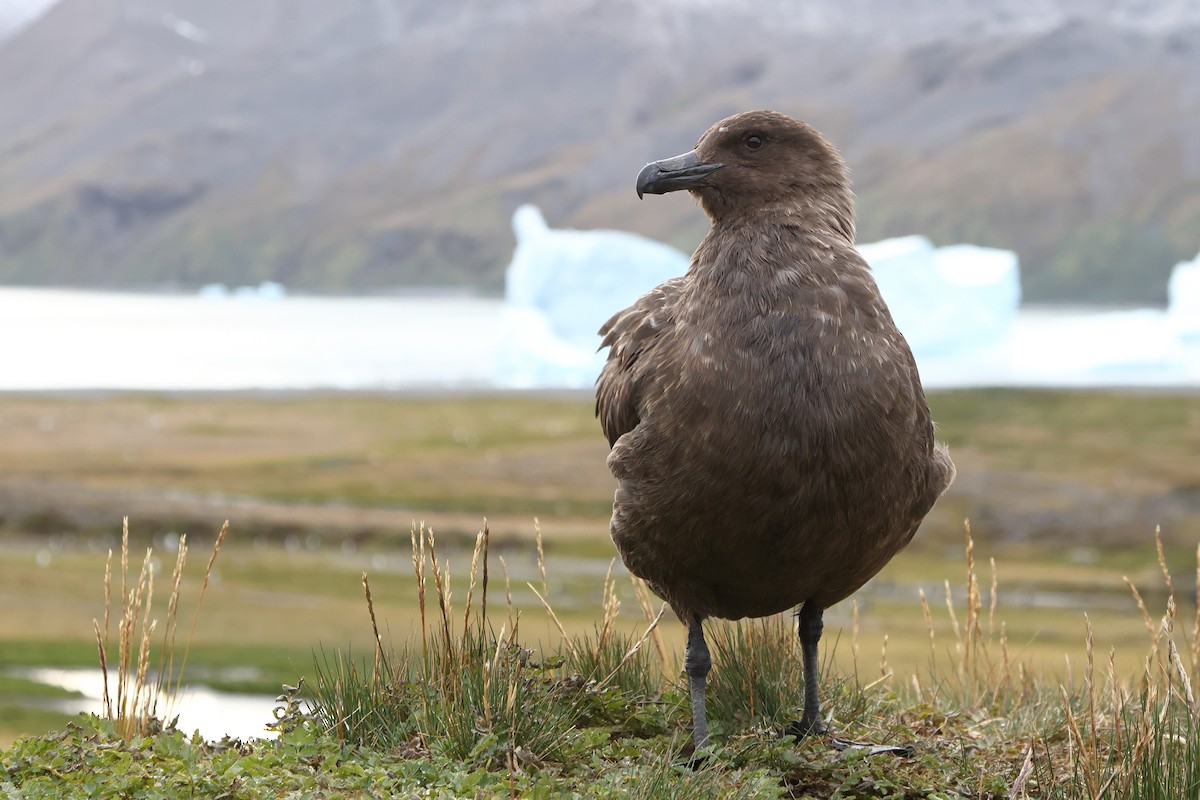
(946, 299)
(560, 287)
(1183, 293)
(563, 284)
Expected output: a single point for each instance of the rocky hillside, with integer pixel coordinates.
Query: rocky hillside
(372, 144)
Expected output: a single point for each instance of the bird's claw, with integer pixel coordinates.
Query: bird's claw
(837, 743)
(802, 728)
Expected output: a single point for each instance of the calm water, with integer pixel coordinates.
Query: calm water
(214, 714)
(62, 340)
(77, 340)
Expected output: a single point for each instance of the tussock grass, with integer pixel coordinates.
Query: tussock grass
(984, 723)
(757, 680)
(465, 706)
(471, 692)
(138, 696)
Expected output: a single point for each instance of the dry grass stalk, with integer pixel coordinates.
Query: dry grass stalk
(441, 581)
(976, 645)
(1005, 681)
(1146, 620)
(489, 669)
(1162, 561)
(366, 583)
(1090, 678)
(1018, 787)
(102, 638)
(541, 559)
(137, 696)
(953, 616)
(1089, 768)
(512, 617)
(929, 696)
(994, 596)
(1116, 697)
(475, 553)
(642, 593)
(187, 648)
(122, 658)
(854, 633)
(166, 666)
(418, 559)
(487, 537)
(653, 626)
(570, 645)
(1195, 643)
(929, 627)
(541, 562)
(751, 668)
(128, 649)
(1181, 672)
(972, 625)
(610, 607)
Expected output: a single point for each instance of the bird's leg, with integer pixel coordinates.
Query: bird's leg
(811, 723)
(696, 663)
(810, 628)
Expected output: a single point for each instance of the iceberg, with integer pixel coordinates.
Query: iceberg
(266, 290)
(560, 287)
(1183, 299)
(946, 299)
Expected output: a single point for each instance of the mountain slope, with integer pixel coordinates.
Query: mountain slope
(380, 143)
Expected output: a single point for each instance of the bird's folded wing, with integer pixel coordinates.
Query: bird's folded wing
(629, 334)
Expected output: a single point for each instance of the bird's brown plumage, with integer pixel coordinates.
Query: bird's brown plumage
(770, 437)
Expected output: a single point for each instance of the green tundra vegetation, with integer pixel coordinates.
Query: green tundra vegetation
(1055, 657)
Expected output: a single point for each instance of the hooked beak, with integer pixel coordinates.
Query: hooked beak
(685, 171)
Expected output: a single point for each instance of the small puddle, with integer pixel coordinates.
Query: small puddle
(214, 714)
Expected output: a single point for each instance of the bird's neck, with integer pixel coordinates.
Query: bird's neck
(828, 210)
(770, 253)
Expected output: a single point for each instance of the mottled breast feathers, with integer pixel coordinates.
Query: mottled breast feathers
(630, 334)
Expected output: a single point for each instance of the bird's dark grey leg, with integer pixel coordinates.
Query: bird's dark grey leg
(810, 628)
(697, 663)
(811, 723)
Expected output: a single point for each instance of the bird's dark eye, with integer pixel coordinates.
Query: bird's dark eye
(754, 142)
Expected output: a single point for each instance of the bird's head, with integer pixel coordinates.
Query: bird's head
(754, 162)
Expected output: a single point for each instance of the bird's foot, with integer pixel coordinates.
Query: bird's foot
(838, 743)
(801, 729)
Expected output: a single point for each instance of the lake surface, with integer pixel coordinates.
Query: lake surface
(67, 340)
(56, 339)
(214, 714)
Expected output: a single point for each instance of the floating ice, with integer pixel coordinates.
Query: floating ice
(266, 290)
(1183, 299)
(561, 286)
(946, 299)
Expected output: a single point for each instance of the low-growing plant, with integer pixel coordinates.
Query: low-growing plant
(469, 710)
(472, 692)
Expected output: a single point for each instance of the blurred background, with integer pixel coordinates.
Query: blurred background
(372, 145)
(267, 262)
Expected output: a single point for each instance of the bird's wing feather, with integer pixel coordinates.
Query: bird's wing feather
(629, 335)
